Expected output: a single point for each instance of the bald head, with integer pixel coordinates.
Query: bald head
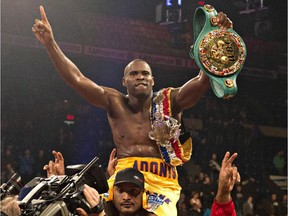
(136, 65)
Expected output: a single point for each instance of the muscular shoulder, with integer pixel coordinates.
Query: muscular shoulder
(111, 92)
(115, 99)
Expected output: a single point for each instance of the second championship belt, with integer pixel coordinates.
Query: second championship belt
(219, 53)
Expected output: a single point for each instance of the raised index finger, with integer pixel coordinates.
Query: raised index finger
(43, 14)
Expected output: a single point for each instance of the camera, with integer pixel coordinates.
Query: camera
(61, 195)
(12, 187)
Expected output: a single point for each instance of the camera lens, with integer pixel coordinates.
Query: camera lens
(12, 187)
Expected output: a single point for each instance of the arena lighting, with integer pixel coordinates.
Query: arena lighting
(69, 119)
(201, 3)
(173, 3)
(169, 12)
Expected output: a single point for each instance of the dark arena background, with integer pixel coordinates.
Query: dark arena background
(40, 113)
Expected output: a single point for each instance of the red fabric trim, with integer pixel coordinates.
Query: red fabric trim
(223, 209)
(176, 149)
(166, 102)
(167, 111)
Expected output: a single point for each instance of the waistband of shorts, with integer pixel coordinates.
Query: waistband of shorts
(153, 165)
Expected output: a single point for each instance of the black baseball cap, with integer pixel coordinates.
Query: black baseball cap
(130, 175)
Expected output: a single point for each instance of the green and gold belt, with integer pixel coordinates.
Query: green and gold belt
(219, 53)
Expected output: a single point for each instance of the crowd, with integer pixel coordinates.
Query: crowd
(27, 152)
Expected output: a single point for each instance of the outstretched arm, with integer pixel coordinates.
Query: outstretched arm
(70, 73)
(191, 92)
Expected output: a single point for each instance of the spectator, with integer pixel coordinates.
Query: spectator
(9, 157)
(214, 167)
(279, 162)
(181, 200)
(248, 207)
(182, 209)
(207, 193)
(273, 207)
(195, 204)
(283, 205)
(238, 199)
(26, 165)
(41, 159)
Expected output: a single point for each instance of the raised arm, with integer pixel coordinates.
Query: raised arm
(228, 176)
(70, 73)
(190, 93)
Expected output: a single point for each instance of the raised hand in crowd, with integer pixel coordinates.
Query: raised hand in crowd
(55, 167)
(112, 162)
(228, 176)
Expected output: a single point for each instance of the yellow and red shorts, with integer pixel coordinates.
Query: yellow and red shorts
(161, 184)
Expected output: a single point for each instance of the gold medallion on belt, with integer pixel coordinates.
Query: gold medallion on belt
(221, 52)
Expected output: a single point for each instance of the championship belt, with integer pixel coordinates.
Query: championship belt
(219, 53)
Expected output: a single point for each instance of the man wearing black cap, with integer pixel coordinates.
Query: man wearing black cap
(127, 193)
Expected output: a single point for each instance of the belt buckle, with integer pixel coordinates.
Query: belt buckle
(221, 52)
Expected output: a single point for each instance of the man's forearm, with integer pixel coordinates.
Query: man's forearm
(65, 67)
